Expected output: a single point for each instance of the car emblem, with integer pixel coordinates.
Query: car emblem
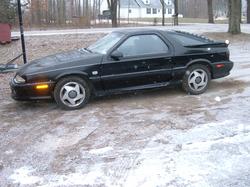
(94, 72)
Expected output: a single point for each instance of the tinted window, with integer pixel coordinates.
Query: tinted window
(142, 45)
(189, 40)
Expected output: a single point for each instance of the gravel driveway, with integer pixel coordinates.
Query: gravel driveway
(154, 138)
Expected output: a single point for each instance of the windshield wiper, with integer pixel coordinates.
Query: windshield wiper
(86, 49)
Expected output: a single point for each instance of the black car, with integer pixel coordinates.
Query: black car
(124, 60)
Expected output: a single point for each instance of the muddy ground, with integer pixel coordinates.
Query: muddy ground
(153, 138)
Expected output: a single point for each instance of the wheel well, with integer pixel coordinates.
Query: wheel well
(203, 63)
(81, 76)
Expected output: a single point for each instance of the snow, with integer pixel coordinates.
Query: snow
(218, 99)
(151, 139)
(23, 176)
(74, 179)
(190, 27)
(209, 154)
(101, 150)
(9, 152)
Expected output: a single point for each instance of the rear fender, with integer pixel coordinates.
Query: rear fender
(200, 61)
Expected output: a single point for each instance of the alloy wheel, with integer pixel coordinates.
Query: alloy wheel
(198, 79)
(72, 94)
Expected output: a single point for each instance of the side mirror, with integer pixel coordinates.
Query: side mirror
(116, 55)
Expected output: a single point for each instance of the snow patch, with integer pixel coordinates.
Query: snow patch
(206, 155)
(218, 99)
(23, 176)
(94, 177)
(9, 152)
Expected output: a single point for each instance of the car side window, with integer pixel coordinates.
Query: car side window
(189, 40)
(143, 45)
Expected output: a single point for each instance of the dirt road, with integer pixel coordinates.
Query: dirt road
(156, 138)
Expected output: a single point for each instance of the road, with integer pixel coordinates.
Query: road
(154, 138)
(196, 28)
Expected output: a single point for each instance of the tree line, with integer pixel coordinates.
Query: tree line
(81, 12)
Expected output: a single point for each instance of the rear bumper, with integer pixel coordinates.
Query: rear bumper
(28, 91)
(221, 69)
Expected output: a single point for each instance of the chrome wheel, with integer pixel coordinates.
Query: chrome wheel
(72, 94)
(198, 79)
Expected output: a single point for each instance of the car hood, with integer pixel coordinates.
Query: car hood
(69, 59)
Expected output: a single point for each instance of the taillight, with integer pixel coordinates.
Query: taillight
(220, 65)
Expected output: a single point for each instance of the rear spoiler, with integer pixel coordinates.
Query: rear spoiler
(214, 44)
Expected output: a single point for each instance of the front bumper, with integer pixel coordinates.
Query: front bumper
(28, 91)
(221, 69)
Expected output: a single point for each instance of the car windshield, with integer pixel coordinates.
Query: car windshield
(104, 44)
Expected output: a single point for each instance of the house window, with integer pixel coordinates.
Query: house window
(148, 10)
(169, 2)
(129, 11)
(159, 10)
(154, 11)
(169, 11)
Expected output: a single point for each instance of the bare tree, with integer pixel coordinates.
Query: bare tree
(176, 12)
(119, 12)
(210, 11)
(87, 12)
(112, 4)
(234, 9)
(163, 12)
(61, 12)
(248, 11)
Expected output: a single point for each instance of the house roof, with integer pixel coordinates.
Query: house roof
(129, 3)
(141, 4)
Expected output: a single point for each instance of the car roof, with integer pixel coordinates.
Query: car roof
(132, 31)
(141, 30)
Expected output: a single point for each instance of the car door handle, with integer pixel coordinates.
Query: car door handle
(167, 58)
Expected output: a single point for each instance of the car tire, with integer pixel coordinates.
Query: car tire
(196, 79)
(72, 93)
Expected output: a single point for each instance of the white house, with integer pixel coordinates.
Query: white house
(142, 8)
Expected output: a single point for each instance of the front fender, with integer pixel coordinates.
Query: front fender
(72, 73)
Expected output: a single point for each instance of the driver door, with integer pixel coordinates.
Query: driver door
(140, 53)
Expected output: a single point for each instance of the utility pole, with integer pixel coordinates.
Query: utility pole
(21, 30)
